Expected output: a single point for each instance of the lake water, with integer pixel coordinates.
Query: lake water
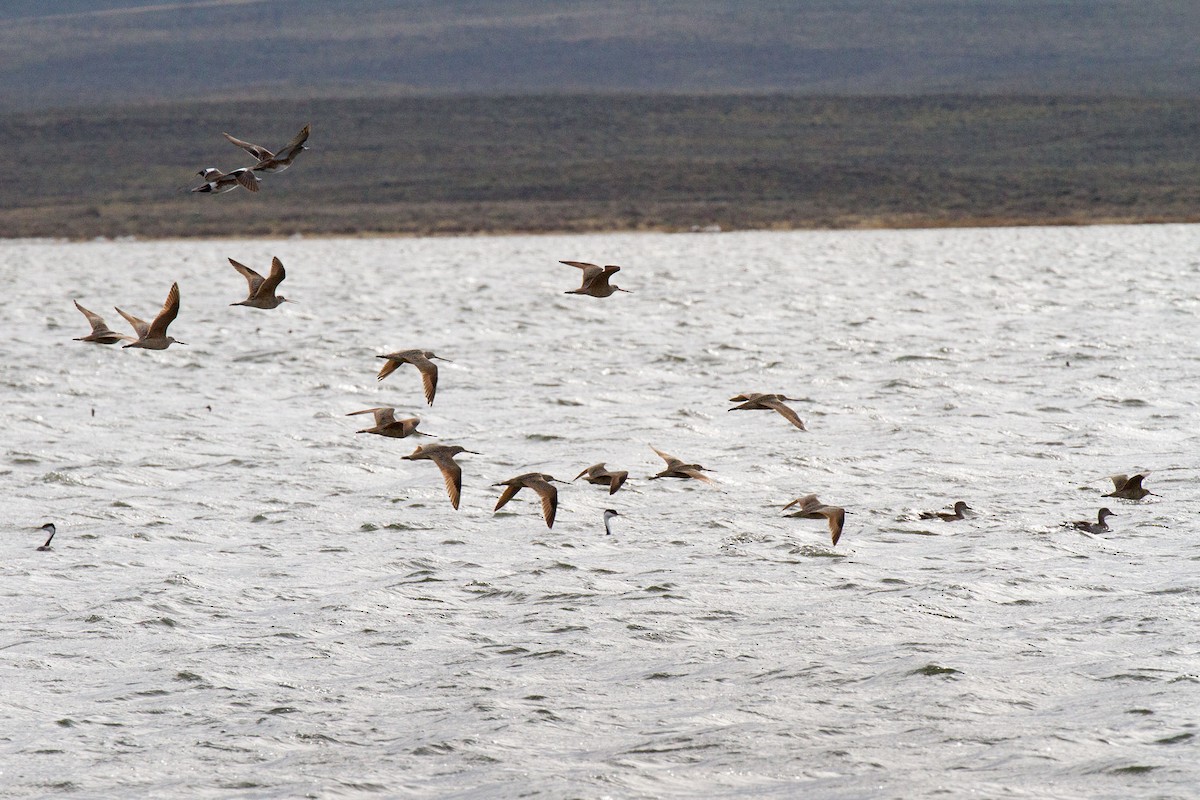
(245, 599)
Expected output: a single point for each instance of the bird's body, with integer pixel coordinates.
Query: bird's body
(262, 290)
(273, 162)
(386, 423)
(595, 279)
(101, 334)
(753, 401)
(50, 529)
(443, 455)
(676, 468)
(812, 508)
(217, 182)
(1129, 487)
(960, 509)
(1099, 526)
(153, 336)
(602, 476)
(539, 482)
(608, 515)
(419, 359)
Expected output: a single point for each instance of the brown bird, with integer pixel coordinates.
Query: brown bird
(540, 483)
(386, 423)
(812, 508)
(154, 336)
(768, 402)
(601, 476)
(420, 360)
(443, 456)
(677, 469)
(262, 290)
(1099, 526)
(100, 332)
(959, 513)
(273, 162)
(217, 182)
(595, 279)
(1129, 487)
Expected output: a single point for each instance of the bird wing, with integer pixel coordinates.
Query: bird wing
(140, 327)
(252, 278)
(275, 277)
(170, 311)
(786, 412)
(806, 503)
(670, 459)
(837, 519)
(616, 480)
(1135, 481)
(246, 178)
(549, 496)
(97, 321)
(389, 366)
(429, 374)
(451, 476)
(590, 271)
(289, 150)
(510, 491)
(588, 471)
(694, 472)
(744, 397)
(258, 151)
(1119, 481)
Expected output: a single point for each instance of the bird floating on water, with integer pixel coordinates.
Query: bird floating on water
(419, 359)
(812, 508)
(101, 334)
(262, 290)
(50, 529)
(217, 182)
(1099, 526)
(677, 469)
(608, 515)
(602, 476)
(386, 423)
(154, 335)
(443, 455)
(753, 401)
(1129, 487)
(540, 482)
(273, 162)
(595, 279)
(960, 509)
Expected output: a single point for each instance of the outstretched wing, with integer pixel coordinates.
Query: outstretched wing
(170, 311)
(258, 151)
(786, 412)
(252, 278)
(140, 326)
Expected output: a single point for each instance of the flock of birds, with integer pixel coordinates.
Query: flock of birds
(595, 282)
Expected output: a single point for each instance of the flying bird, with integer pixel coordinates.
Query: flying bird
(677, 469)
(386, 423)
(262, 290)
(273, 162)
(595, 279)
(538, 482)
(443, 456)
(1129, 487)
(154, 336)
(812, 508)
(100, 331)
(602, 476)
(959, 513)
(768, 402)
(217, 182)
(419, 359)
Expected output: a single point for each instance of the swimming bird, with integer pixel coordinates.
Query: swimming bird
(595, 279)
(601, 476)
(420, 360)
(1099, 526)
(443, 455)
(50, 529)
(262, 290)
(540, 483)
(959, 513)
(608, 515)
(274, 162)
(754, 401)
(218, 182)
(677, 469)
(100, 332)
(1129, 487)
(386, 423)
(154, 336)
(812, 508)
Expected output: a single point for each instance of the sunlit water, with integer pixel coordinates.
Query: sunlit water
(246, 599)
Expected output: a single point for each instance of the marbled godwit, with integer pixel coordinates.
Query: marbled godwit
(677, 469)
(50, 529)
(608, 515)
(273, 162)
(218, 182)
(540, 483)
(420, 360)
(100, 332)
(768, 402)
(1099, 526)
(443, 455)
(812, 508)
(960, 509)
(1129, 487)
(262, 290)
(386, 423)
(595, 279)
(154, 336)
(601, 476)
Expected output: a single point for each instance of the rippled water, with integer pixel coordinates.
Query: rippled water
(245, 599)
